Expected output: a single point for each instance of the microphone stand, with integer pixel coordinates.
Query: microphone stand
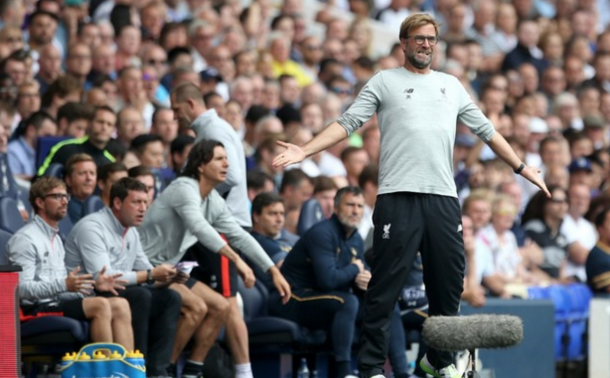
(473, 360)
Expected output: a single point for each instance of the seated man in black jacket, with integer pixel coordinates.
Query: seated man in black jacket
(94, 144)
(327, 275)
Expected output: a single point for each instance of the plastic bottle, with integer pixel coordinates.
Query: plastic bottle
(135, 358)
(115, 356)
(67, 359)
(303, 370)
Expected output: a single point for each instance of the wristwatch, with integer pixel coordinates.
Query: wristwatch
(520, 168)
(149, 277)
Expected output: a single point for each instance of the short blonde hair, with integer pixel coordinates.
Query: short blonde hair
(415, 21)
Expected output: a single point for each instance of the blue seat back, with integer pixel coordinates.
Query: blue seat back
(55, 170)
(93, 204)
(65, 226)
(44, 145)
(10, 218)
(571, 316)
(4, 237)
(254, 301)
(311, 213)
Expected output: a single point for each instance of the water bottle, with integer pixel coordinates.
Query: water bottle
(303, 370)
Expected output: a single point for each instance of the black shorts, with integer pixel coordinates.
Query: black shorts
(71, 308)
(214, 270)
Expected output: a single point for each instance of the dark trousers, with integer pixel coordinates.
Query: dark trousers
(154, 318)
(397, 345)
(406, 223)
(334, 311)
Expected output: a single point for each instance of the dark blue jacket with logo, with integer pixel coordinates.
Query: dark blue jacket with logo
(322, 258)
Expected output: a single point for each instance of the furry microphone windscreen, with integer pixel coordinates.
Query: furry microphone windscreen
(456, 333)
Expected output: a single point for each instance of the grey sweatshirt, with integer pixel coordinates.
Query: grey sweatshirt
(180, 214)
(417, 117)
(210, 126)
(100, 240)
(38, 249)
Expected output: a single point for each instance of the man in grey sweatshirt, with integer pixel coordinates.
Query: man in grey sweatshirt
(191, 111)
(45, 286)
(190, 210)
(109, 238)
(417, 207)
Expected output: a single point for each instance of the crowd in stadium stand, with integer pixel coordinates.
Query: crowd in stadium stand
(113, 98)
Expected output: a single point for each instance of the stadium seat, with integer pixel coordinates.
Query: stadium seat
(270, 330)
(52, 336)
(4, 237)
(10, 218)
(93, 204)
(55, 170)
(24, 196)
(571, 315)
(44, 146)
(65, 226)
(311, 213)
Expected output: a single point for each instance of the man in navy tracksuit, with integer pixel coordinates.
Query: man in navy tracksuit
(322, 270)
(326, 272)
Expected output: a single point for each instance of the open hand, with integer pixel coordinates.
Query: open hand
(293, 154)
(533, 175)
(109, 283)
(79, 284)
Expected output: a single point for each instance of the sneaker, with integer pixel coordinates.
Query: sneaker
(446, 372)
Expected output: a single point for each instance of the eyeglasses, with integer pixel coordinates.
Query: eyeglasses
(419, 39)
(313, 47)
(58, 196)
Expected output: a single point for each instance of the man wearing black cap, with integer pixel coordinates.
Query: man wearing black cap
(581, 172)
(210, 78)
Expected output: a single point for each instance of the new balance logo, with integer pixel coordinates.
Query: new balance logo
(386, 231)
(408, 91)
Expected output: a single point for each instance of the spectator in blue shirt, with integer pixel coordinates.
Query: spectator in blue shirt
(22, 150)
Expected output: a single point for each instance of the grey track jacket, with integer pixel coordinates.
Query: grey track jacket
(38, 249)
(99, 240)
(210, 126)
(181, 214)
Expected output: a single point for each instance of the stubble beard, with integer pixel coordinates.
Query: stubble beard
(420, 65)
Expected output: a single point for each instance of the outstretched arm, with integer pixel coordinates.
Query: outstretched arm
(330, 136)
(502, 149)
